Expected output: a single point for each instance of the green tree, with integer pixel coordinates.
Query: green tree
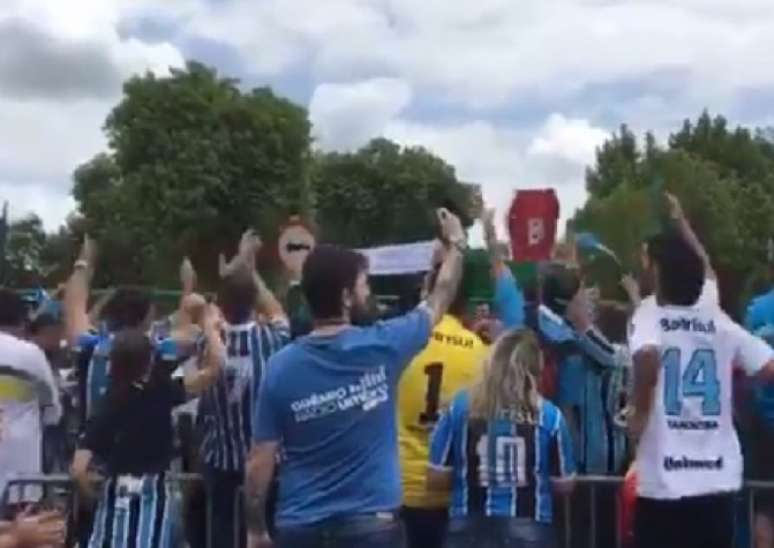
(193, 160)
(724, 177)
(617, 163)
(383, 194)
(24, 247)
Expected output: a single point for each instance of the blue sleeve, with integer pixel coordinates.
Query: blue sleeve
(596, 346)
(752, 318)
(592, 343)
(266, 423)
(406, 335)
(85, 342)
(280, 330)
(508, 300)
(564, 464)
(168, 350)
(553, 327)
(441, 441)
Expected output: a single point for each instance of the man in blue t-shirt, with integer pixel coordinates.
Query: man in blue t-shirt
(327, 407)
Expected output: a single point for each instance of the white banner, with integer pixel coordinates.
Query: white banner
(399, 259)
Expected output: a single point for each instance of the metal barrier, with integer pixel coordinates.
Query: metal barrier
(612, 484)
(593, 483)
(59, 492)
(52, 490)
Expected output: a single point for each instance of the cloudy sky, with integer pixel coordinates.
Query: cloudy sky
(512, 93)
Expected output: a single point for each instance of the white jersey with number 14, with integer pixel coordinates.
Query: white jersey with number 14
(689, 446)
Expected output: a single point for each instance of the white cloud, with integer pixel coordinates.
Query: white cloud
(374, 63)
(574, 140)
(503, 160)
(50, 202)
(51, 119)
(344, 116)
(489, 52)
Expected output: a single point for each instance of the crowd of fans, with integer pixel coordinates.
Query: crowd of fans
(448, 424)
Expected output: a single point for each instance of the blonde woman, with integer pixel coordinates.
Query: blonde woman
(501, 448)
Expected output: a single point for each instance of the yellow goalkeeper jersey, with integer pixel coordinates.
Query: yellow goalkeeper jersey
(451, 361)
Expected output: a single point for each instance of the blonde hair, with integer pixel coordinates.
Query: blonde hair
(509, 385)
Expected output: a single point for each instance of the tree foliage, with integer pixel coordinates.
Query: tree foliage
(193, 160)
(383, 194)
(34, 257)
(723, 176)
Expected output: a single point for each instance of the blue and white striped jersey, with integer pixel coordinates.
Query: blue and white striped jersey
(502, 468)
(226, 410)
(92, 351)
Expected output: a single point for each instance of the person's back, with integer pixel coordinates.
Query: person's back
(690, 447)
(28, 397)
(689, 462)
(226, 409)
(451, 361)
(503, 468)
(501, 446)
(334, 398)
(326, 409)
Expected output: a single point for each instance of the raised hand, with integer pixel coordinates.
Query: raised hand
(250, 244)
(88, 251)
(676, 212)
(632, 288)
(451, 227)
(488, 217)
(578, 311)
(187, 275)
(212, 318)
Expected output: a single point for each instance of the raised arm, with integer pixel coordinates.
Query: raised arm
(188, 277)
(249, 246)
(198, 381)
(76, 297)
(508, 297)
(682, 224)
(450, 274)
(192, 306)
(632, 288)
(589, 338)
(490, 237)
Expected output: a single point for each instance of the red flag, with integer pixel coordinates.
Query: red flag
(628, 503)
(532, 224)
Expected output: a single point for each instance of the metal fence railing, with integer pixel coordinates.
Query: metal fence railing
(581, 527)
(584, 520)
(58, 492)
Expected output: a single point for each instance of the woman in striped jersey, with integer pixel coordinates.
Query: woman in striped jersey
(500, 447)
(131, 436)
